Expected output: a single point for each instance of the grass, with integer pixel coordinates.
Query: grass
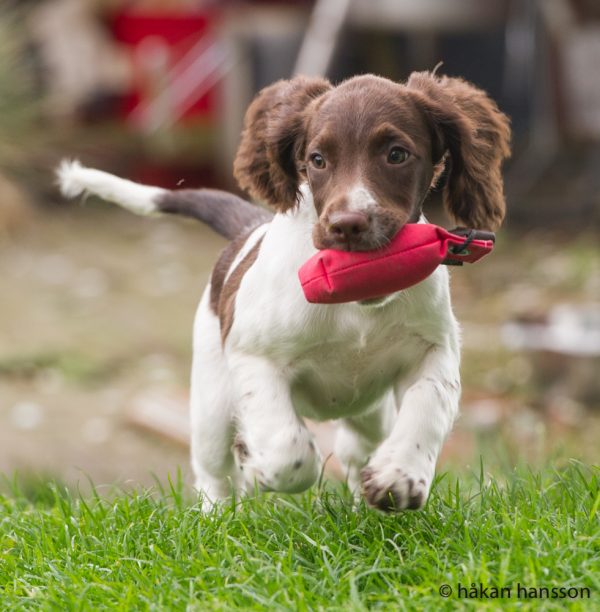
(154, 550)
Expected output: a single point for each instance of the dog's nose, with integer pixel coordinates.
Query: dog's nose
(348, 226)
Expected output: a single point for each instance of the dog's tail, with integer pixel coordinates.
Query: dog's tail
(224, 212)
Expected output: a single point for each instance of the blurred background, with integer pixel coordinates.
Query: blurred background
(97, 305)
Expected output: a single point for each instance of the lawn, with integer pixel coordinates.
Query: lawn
(155, 550)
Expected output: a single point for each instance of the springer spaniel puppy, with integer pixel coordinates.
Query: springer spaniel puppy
(343, 167)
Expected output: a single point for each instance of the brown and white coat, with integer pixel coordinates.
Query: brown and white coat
(343, 167)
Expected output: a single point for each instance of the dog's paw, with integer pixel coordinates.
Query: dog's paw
(391, 489)
(289, 468)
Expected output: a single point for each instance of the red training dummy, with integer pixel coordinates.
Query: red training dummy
(332, 277)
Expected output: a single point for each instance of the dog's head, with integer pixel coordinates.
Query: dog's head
(371, 149)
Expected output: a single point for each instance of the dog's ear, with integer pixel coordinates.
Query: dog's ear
(472, 137)
(273, 141)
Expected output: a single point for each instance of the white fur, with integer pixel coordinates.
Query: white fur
(212, 405)
(360, 199)
(75, 179)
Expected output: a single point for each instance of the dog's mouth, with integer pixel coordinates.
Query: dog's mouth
(374, 241)
(354, 248)
(351, 231)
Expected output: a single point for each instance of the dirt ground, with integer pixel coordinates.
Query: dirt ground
(97, 307)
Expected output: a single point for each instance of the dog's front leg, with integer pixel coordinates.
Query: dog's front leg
(400, 472)
(273, 449)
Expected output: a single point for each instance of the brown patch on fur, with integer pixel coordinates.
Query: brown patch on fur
(224, 212)
(356, 127)
(226, 306)
(221, 268)
(265, 161)
(467, 125)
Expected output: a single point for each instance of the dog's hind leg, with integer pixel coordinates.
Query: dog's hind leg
(211, 411)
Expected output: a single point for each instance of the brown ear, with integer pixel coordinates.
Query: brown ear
(272, 141)
(475, 136)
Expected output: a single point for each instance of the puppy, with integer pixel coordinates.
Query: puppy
(342, 167)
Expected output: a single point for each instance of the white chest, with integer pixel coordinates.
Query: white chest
(348, 370)
(338, 359)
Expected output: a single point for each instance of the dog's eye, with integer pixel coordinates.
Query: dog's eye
(318, 161)
(397, 155)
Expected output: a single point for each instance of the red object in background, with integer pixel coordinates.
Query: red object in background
(333, 277)
(158, 43)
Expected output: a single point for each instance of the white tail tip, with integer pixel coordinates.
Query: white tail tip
(75, 179)
(69, 178)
